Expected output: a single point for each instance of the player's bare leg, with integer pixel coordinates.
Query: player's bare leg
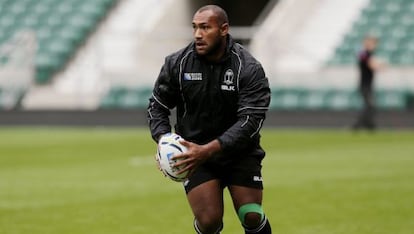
(247, 203)
(206, 201)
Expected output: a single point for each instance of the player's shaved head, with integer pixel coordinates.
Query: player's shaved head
(210, 29)
(219, 13)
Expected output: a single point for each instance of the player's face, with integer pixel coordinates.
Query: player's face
(208, 34)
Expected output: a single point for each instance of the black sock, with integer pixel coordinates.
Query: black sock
(263, 228)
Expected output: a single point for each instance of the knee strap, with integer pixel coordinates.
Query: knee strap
(250, 208)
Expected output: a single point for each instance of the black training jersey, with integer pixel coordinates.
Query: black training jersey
(227, 100)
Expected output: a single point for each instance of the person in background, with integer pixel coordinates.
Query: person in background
(367, 66)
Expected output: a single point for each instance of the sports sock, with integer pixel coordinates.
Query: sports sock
(263, 228)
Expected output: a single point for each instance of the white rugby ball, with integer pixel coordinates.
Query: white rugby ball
(169, 146)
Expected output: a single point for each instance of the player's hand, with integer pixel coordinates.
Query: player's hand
(192, 158)
(195, 155)
(157, 160)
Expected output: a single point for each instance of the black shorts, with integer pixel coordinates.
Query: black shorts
(244, 171)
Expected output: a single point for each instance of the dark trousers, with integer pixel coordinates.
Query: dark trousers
(367, 114)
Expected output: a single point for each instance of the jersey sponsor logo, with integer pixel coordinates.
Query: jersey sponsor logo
(193, 76)
(228, 87)
(257, 178)
(228, 81)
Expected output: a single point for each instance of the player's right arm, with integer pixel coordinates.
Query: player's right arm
(376, 63)
(164, 97)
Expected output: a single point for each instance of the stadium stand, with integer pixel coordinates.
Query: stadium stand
(122, 97)
(307, 49)
(315, 38)
(60, 27)
(126, 49)
(300, 35)
(16, 69)
(314, 67)
(392, 22)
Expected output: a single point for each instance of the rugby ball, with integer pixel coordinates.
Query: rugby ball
(168, 147)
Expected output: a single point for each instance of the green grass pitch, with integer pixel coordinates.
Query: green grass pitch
(104, 181)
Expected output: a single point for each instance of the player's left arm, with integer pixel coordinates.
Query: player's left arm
(253, 103)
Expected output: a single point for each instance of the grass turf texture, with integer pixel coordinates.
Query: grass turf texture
(97, 181)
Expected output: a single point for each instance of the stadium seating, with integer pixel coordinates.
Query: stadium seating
(282, 99)
(392, 22)
(60, 25)
(126, 98)
(305, 99)
(329, 99)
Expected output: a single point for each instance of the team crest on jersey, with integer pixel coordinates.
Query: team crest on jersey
(228, 81)
(193, 76)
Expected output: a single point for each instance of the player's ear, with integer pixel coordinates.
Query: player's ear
(224, 29)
